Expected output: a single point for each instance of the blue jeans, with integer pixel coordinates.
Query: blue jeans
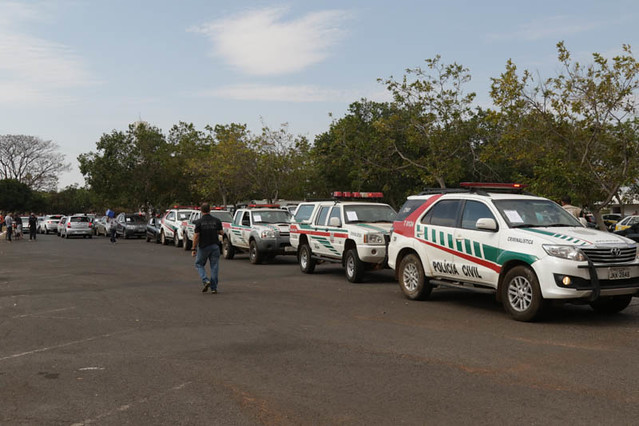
(212, 254)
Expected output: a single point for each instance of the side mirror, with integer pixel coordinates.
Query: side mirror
(335, 221)
(486, 224)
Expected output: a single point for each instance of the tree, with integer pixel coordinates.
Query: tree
(31, 160)
(358, 153)
(281, 158)
(225, 171)
(432, 114)
(578, 130)
(15, 196)
(131, 169)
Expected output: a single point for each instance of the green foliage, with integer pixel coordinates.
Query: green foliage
(15, 196)
(577, 131)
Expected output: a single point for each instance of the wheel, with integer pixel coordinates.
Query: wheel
(521, 295)
(228, 251)
(148, 238)
(124, 235)
(354, 266)
(176, 239)
(254, 254)
(163, 239)
(186, 244)
(611, 304)
(305, 259)
(90, 236)
(412, 279)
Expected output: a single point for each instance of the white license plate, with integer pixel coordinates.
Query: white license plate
(618, 273)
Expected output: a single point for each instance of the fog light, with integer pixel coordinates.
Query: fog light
(373, 252)
(566, 281)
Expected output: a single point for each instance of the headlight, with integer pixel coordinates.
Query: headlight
(374, 238)
(268, 233)
(565, 252)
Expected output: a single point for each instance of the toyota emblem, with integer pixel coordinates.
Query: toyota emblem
(616, 251)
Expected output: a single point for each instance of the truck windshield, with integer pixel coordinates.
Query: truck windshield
(370, 213)
(534, 213)
(271, 216)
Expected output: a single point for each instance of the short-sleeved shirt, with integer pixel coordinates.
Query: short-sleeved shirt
(208, 227)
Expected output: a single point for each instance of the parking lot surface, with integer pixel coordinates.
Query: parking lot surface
(95, 333)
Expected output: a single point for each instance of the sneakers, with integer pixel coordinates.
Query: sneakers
(213, 291)
(205, 286)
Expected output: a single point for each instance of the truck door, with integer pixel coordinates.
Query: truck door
(435, 233)
(320, 237)
(476, 249)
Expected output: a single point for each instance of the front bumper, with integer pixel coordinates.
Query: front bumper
(564, 279)
(372, 253)
(279, 245)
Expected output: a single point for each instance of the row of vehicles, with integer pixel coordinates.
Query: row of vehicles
(525, 250)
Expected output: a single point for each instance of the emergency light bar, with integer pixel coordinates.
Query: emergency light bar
(489, 185)
(341, 194)
(263, 206)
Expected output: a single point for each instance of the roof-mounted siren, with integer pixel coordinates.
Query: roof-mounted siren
(494, 187)
(358, 195)
(263, 206)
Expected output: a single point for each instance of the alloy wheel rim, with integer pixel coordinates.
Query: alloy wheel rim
(520, 294)
(410, 277)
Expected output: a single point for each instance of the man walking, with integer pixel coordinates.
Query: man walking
(9, 222)
(206, 246)
(33, 226)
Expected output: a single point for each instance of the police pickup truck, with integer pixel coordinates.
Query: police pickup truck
(353, 233)
(260, 230)
(526, 250)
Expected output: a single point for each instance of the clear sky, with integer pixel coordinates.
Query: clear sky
(72, 70)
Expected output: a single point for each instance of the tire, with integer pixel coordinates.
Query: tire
(228, 251)
(163, 239)
(254, 254)
(148, 239)
(354, 267)
(412, 279)
(305, 259)
(186, 244)
(124, 235)
(90, 236)
(176, 239)
(611, 304)
(521, 295)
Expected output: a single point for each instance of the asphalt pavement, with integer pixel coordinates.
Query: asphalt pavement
(95, 333)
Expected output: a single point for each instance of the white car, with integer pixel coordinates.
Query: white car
(263, 232)
(171, 224)
(188, 227)
(524, 249)
(353, 233)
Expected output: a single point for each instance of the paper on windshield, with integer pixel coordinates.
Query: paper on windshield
(350, 215)
(513, 216)
(257, 217)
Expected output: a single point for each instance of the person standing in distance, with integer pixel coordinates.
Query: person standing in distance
(33, 226)
(206, 246)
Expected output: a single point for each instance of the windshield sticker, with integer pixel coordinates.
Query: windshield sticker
(350, 215)
(257, 217)
(513, 216)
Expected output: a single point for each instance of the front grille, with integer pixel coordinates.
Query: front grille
(611, 254)
(285, 234)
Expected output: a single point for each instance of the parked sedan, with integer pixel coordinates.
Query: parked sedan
(77, 225)
(130, 225)
(626, 222)
(101, 226)
(60, 225)
(631, 232)
(153, 228)
(50, 224)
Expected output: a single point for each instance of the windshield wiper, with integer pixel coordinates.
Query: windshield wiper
(526, 225)
(381, 221)
(559, 225)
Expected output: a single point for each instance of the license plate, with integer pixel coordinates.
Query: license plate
(618, 273)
